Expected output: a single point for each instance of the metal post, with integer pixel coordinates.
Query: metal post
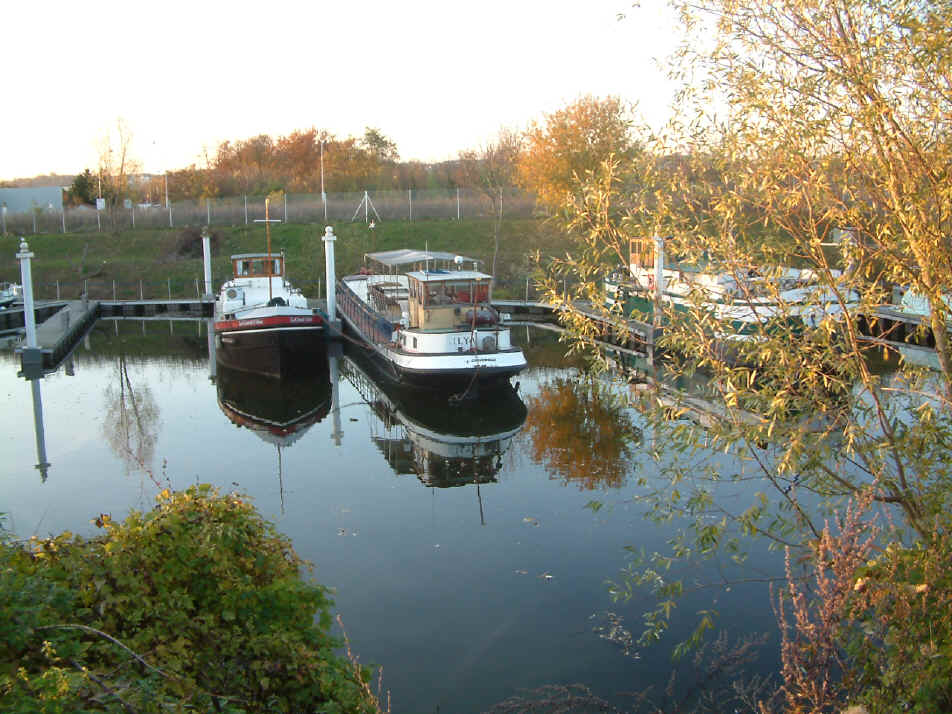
(98, 220)
(26, 279)
(167, 190)
(114, 291)
(329, 239)
(410, 201)
(285, 207)
(527, 289)
(85, 289)
(34, 222)
(170, 288)
(198, 293)
(141, 294)
(64, 219)
(170, 215)
(133, 211)
(57, 290)
(246, 209)
(457, 203)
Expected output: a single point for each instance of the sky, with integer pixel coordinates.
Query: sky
(436, 77)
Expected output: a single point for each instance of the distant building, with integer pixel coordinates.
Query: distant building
(24, 200)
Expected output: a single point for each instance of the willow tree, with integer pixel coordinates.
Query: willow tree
(803, 121)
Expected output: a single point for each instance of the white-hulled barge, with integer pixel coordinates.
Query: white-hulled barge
(433, 324)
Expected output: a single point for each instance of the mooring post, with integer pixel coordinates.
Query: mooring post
(57, 290)
(207, 260)
(329, 269)
(26, 279)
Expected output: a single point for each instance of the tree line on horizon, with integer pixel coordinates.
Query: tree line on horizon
(546, 159)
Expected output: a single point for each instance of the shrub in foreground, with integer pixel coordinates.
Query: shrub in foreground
(198, 604)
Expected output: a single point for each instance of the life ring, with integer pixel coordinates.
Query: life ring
(651, 282)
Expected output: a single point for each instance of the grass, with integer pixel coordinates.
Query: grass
(123, 259)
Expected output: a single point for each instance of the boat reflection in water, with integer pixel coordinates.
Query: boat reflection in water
(278, 411)
(442, 441)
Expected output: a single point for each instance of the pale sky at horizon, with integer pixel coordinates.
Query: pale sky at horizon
(434, 76)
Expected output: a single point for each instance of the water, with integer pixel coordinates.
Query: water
(456, 538)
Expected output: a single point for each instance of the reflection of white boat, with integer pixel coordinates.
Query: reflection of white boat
(748, 301)
(441, 441)
(9, 293)
(279, 412)
(433, 323)
(259, 316)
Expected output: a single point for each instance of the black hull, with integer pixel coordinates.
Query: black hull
(272, 353)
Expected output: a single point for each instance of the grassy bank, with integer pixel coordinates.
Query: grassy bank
(102, 260)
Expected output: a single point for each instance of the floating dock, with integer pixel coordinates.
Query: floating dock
(57, 336)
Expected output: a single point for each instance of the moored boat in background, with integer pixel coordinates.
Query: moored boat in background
(433, 324)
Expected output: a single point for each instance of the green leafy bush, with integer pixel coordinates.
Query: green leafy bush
(198, 604)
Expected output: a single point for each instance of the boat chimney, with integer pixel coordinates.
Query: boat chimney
(329, 239)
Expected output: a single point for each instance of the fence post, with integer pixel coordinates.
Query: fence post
(527, 289)
(114, 291)
(57, 290)
(141, 294)
(170, 214)
(246, 209)
(64, 219)
(198, 293)
(285, 207)
(85, 288)
(170, 289)
(133, 211)
(410, 201)
(457, 203)
(34, 221)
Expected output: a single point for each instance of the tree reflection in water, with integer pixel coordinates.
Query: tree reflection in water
(131, 421)
(581, 433)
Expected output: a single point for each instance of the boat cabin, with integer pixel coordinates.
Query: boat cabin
(258, 265)
(449, 300)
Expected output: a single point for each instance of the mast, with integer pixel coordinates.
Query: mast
(267, 231)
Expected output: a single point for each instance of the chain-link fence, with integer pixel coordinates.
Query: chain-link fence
(409, 205)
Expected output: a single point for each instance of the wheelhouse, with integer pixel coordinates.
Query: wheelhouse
(258, 265)
(449, 300)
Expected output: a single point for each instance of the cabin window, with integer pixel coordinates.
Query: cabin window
(414, 343)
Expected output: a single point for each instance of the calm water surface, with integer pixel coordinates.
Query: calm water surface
(456, 538)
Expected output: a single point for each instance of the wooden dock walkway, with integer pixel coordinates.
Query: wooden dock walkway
(57, 336)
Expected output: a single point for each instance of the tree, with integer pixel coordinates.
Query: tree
(83, 190)
(380, 147)
(492, 169)
(572, 141)
(117, 168)
(813, 118)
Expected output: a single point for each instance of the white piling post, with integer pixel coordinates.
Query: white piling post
(26, 280)
(659, 269)
(207, 258)
(329, 270)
